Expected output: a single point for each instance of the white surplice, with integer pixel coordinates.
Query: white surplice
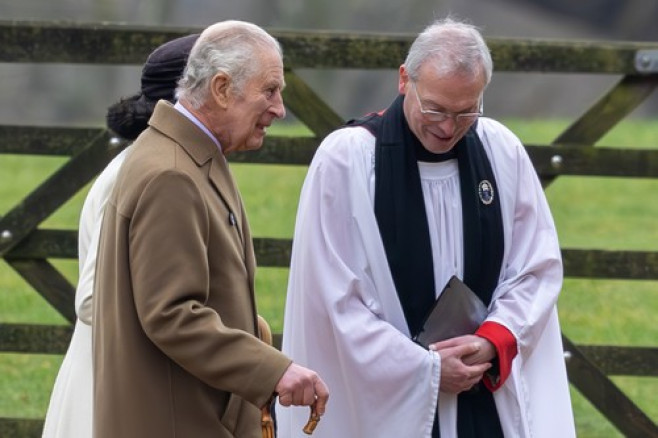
(70, 410)
(344, 320)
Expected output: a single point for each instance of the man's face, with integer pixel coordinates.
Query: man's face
(249, 114)
(456, 95)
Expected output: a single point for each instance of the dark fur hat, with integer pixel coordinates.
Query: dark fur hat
(160, 74)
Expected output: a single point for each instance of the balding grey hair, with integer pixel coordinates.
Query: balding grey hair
(453, 47)
(230, 47)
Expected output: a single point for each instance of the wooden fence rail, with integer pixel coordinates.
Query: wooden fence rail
(28, 248)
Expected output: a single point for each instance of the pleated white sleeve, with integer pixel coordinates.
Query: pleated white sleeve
(343, 317)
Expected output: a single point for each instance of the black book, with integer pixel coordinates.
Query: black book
(458, 311)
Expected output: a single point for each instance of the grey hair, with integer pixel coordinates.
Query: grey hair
(452, 47)
(230, 47)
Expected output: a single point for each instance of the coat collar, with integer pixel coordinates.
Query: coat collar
(202, 149)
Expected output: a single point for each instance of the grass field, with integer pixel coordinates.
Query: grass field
(589, 213)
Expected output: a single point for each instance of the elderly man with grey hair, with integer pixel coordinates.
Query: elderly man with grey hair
(175, 346)
(394, 206)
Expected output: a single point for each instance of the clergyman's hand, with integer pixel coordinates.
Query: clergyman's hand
(486, 351)
(457, 376)
(300, 386)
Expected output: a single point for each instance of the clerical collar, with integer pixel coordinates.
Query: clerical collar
(424, 155)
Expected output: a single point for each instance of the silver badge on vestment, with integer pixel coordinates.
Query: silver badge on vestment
(485, 190)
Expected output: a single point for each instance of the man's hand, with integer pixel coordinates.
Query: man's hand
(456, 374)
(300, 386)
(485, 353)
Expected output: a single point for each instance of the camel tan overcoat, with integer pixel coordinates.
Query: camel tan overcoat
(175, 354)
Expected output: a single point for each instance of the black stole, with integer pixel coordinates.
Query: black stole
(400, 213)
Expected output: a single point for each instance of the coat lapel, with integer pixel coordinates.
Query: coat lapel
(221, 178)
(204, 152)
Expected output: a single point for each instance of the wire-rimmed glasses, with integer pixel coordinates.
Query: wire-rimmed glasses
(441, 116)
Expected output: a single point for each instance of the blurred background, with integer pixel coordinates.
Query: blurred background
(590, 212)
(51, 94)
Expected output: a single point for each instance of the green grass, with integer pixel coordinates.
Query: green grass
(589, 212)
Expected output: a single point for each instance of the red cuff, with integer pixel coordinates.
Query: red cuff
(505, 344)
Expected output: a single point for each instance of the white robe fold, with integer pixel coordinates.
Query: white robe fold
(70, 410)
(344, 320)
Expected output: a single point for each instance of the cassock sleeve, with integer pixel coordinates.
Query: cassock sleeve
(343, 318)
(505, 345)
(532, 271)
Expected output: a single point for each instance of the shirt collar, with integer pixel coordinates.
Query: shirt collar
(197, 122)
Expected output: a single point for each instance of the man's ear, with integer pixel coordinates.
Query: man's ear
(403, 79)
(220, 89)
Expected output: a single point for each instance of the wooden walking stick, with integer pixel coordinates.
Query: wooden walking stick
(313, 421)
(267, 423)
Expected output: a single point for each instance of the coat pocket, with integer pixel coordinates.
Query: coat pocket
(232, 413)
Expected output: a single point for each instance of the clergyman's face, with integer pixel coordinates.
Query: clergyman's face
(251, 112)
(452, 94)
